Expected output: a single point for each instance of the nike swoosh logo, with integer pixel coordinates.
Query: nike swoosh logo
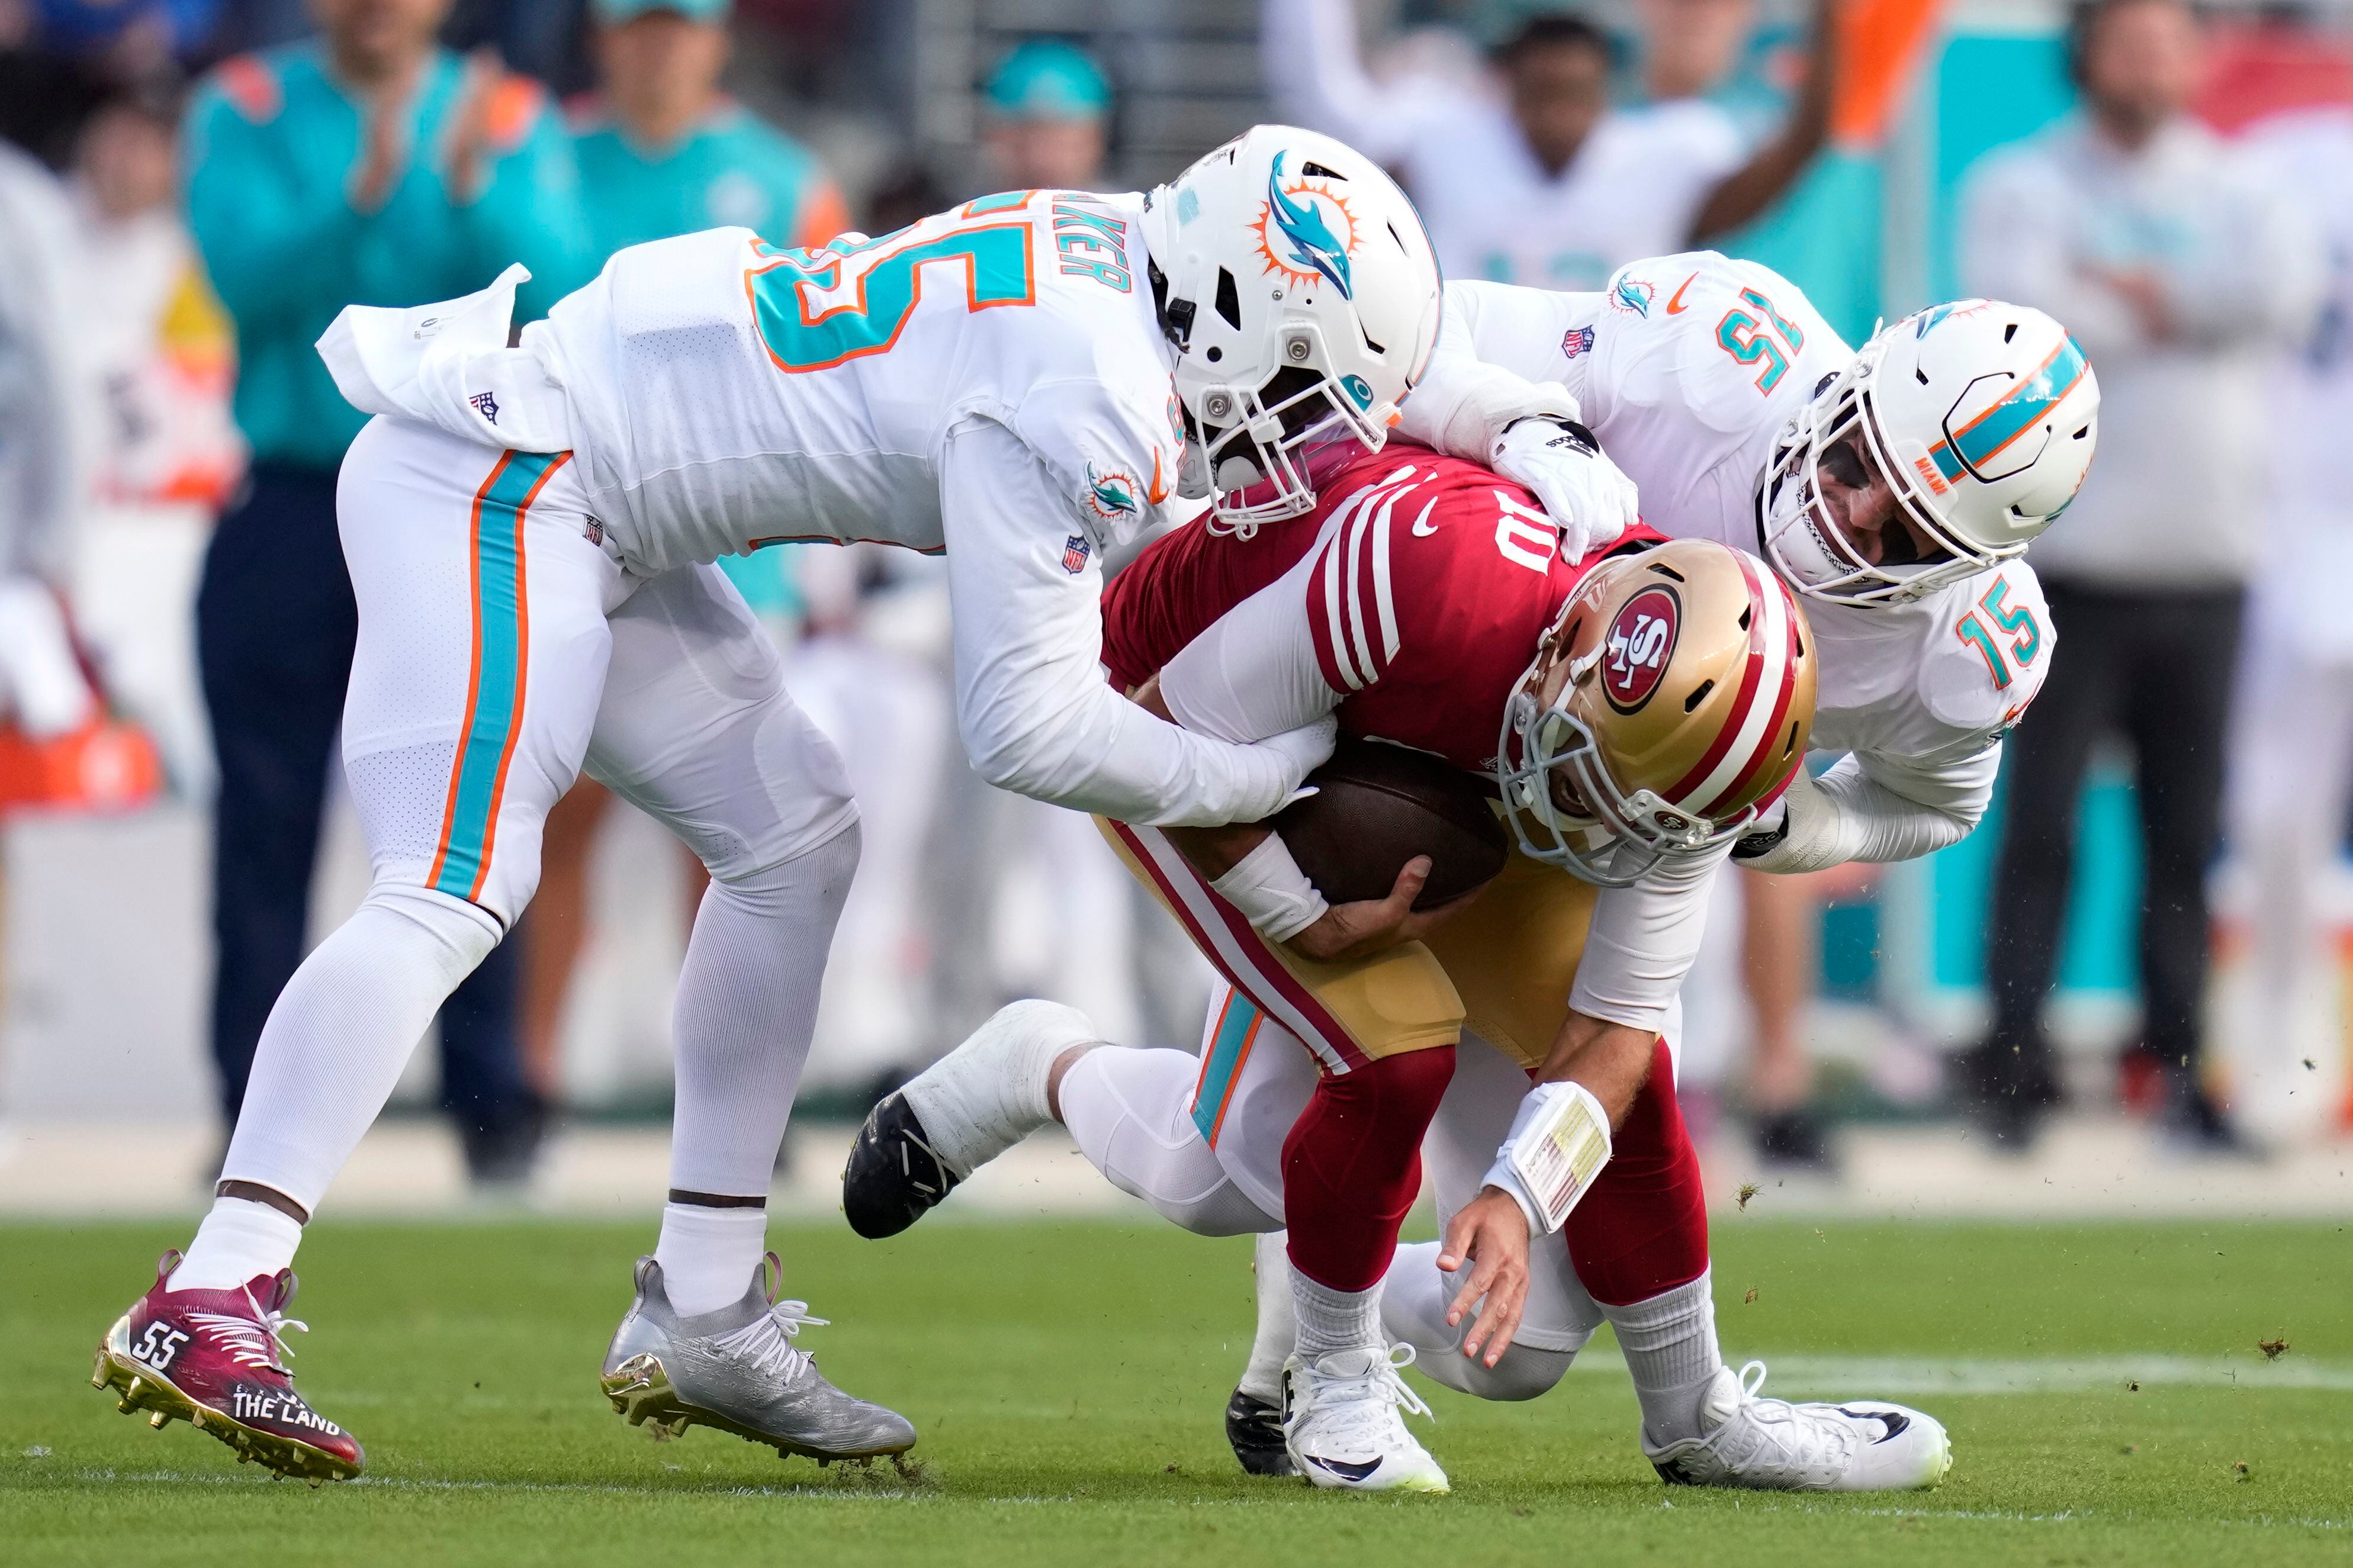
(1156, 492)
(1887, 1419)
(1675, 304)
(1422, 529)
(1348, 1470)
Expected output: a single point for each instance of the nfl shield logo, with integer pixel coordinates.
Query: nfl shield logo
(1075, 550)
(1579, 340)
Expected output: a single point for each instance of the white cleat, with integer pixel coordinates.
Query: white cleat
(957, 1115)
(1342, 1425)
(1772, 1445)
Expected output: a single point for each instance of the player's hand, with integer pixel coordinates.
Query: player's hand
(1348, 931)
(1491, 1235)
(383, 151)
(1589, 498)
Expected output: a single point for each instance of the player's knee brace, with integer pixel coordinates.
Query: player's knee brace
(1352, 1164)
(1129, 1111)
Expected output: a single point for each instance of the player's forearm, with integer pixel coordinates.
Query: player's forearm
(1610, 1061)
(1642, 942)
(1471, 391)
(1744, 194)
(1083, 746)
(1847, 815)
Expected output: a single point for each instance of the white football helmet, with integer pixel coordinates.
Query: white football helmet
(1980, 417)
(1302, 296)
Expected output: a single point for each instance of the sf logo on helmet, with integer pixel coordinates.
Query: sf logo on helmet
(1640, 641)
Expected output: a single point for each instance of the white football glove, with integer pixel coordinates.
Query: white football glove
(1589, 498)
(1799, 833)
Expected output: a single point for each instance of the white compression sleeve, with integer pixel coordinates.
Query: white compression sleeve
(1037, 716)
(1642, 941)
(1252, 672)
(343, 1028)
(1874, 808)
(745, 1011)
(1498, 359)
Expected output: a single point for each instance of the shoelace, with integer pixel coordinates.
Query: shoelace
(253, 1342)
(766, 1341)
(1365, 1399)
(1785, 1425)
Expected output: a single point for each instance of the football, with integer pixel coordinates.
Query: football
(1377, 807)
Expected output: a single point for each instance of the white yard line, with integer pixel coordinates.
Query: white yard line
(1858, 1377)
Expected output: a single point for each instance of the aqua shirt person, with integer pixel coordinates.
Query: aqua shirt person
(473, 171)
(662, 152)
(1047, 124)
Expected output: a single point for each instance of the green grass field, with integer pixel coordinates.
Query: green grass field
(1067, 1380)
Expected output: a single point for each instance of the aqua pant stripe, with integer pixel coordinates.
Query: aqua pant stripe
(494, 693)
(1236, 1028)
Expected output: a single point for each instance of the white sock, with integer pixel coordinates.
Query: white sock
(1333, 1319)
(708, 1254)
(1278, 1331)
(1669, 1343)
(238, 1239)
(746, 1008)
(989, 1093)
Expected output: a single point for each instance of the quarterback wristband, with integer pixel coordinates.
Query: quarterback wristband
(1559, 1141)
(1272, 893)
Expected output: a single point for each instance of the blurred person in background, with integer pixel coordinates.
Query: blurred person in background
(1088, 936)
(2290, 783)
(1540, 181)
(2182, 274)
(170, 456)
(663, 150)
(48, 428)
(371, 166)
(1047, 124)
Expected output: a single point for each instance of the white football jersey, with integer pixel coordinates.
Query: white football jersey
(725, 393)
(1686, 368)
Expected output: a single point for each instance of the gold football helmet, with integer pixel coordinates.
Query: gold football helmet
(1669, 704)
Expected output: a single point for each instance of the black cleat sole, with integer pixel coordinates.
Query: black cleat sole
(1254, 1429)
(892, 1178)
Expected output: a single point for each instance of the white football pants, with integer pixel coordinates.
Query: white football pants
(500, 652)
(1200, 1139)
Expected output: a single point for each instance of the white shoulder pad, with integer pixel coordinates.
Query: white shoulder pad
(1734, 343)
(1991, 644)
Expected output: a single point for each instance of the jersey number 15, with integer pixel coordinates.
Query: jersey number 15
(2017, 623)
(817, 309)
(1771, 343)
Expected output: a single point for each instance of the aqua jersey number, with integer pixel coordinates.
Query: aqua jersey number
(882, 280)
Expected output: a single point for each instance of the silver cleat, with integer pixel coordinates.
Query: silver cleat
(738, 1369)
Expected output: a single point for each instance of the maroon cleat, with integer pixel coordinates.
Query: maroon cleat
(211, 1357)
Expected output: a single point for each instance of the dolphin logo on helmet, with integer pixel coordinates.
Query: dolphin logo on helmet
(1314, 245)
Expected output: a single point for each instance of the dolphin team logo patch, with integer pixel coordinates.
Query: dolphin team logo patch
(1111, 495)
(1640, 642)
(1633, 296)
(1305, 231)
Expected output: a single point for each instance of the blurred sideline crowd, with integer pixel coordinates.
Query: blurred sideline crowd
(191, 189)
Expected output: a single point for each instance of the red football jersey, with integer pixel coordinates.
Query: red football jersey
(1433, 580)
